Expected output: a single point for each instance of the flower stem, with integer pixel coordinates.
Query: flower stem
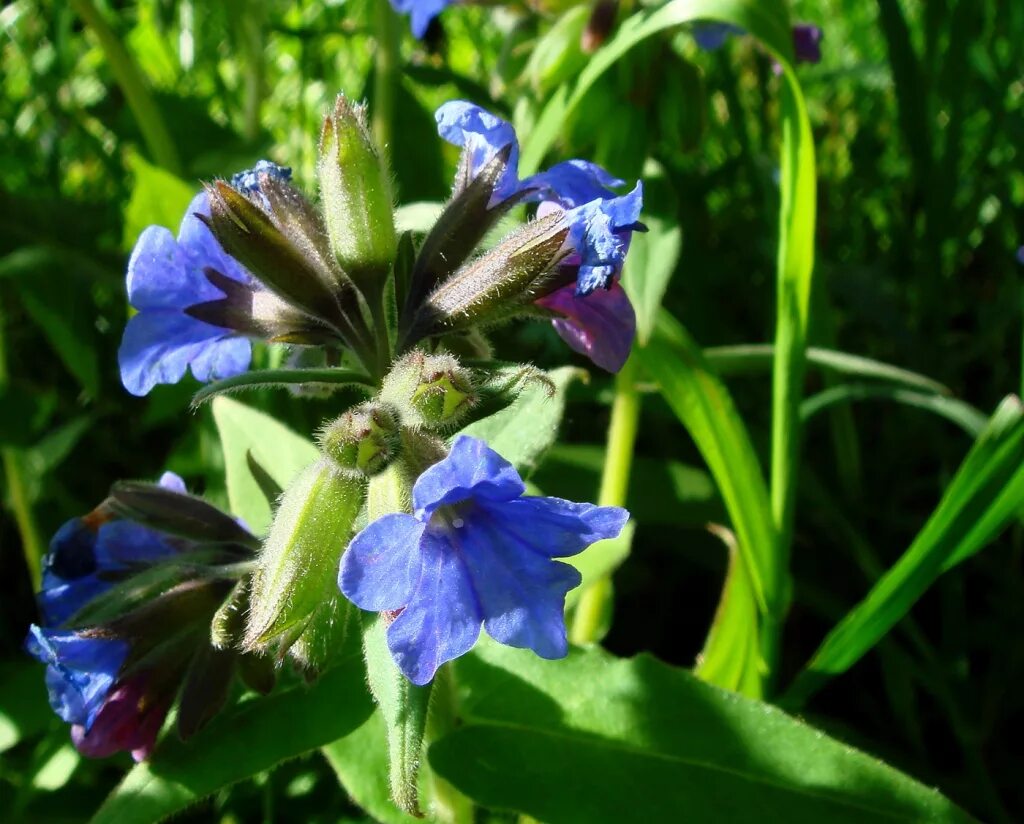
(132, 82)
(17, 490)
(593, 604)
(385, 74)
(448, 805)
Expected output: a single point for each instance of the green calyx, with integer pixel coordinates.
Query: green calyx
(363, 440)
(357, 198)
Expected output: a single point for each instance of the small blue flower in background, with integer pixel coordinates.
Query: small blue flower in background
(420, 12)
(806, 39)
(80, 670)
(166, 277)
(248, 182)
(475, 552)
(86, 553)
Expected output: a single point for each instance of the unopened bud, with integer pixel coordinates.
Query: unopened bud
(356, 194)
(444, 394)
(498, 283)
(298, 565)
(363, 440)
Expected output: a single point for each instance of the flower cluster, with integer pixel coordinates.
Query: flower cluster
(126, 611)
(157, 593)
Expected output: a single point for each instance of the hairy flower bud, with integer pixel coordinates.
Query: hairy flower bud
(432, 391)
(356, 193)
(363, 439)
(497, 283)
(297, 566)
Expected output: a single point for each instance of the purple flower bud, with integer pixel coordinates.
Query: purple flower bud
(807, 43)
(128, 721)
(476, 551)
(601, 325)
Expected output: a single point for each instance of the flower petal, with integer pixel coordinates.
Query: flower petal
(571, 183)
(421, 12)
(601, 325)
(80, 671)
(471, 470)
(159, 346)
(173, 482)
(521, 592)
(482, 135)
(554, 527)
(442, 621)
(600, 232)
(200, 249)
(127, 721)
(381, 566)
(121, 544)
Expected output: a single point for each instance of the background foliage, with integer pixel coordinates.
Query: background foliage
(917, 118)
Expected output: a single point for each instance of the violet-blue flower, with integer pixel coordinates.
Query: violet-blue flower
(420, 12)
(165, 278)
(87, 553)
(248, 181)
(80, 670)
(475, 551)
(806, 39)
(600, 326)
(481, 135)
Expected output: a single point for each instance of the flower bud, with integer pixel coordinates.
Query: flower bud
(298, 565)
(363, 440)
(356, 193)
(498, 283)
(251, 237)
(445, 393)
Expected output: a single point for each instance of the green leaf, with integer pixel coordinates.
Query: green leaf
(24, 712)
(766, 19)
(704, 406)
(660, 491)
(962, 414)
(158, 198)
(597, 739)
(360, 760)
(281, 379)
(757, 357)
(524, 431)
(277, 449)
(250, 738)
(986, 494)
(730, 658)
(418, 218)
(558, 55)
(653, 254)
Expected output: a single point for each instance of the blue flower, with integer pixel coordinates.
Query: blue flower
(86, 554)
(165, 278)
(80, 670)
(475, 552)
(248, 182)
(481, 135)
(806, 40)
(421, 12)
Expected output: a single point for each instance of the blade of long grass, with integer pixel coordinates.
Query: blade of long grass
(984, 496)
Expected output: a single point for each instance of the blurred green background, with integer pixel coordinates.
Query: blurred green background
(917, 115)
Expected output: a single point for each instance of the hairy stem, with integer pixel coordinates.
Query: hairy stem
(618, 462)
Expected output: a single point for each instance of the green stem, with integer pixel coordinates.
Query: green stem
(385, 74)
(132, 82)
(17, 490)
(618, 462)
(448, 805)
(255, 69)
